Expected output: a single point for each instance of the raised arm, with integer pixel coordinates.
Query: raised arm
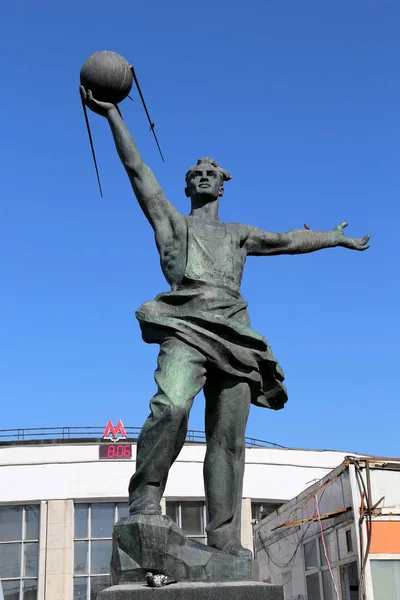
(300, 241)
(161, 214)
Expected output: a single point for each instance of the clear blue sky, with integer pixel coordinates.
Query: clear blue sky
(300, 102)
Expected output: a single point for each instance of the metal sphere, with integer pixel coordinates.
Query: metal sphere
(108, 75)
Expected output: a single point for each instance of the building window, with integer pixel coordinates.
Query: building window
(93, 527)
(386, 579)
(19, 551)
(319, 583)
(260, 510)
(190, 517)
(349, 541)
(349, 581)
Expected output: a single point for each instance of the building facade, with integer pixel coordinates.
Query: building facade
(62, 490)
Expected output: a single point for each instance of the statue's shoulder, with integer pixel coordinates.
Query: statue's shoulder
(238, 225)
(239, 229)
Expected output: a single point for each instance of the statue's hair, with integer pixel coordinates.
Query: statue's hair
(225, 176)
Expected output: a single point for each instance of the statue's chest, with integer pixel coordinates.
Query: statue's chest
(209, 243)
(212, 254)
(208, 231)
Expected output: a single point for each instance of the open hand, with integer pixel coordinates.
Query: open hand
(100, 108)
(348, 242)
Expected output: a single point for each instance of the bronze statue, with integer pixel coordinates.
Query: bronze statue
(203, 328)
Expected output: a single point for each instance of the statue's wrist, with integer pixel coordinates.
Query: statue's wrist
(335, 239)
(112, 112)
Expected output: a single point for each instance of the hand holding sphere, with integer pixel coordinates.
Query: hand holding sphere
(106, 79)
(96, 106)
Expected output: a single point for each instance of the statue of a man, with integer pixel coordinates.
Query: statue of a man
(203, 328)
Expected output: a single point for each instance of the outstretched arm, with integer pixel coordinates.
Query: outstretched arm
(300, 241)
(161, 214)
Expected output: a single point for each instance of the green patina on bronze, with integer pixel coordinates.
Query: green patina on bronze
(203, 328)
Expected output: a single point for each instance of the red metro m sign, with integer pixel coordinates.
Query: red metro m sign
(118, 432)
(113, 449)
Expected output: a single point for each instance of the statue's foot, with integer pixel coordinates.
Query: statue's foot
(236, 549)
(144, 506)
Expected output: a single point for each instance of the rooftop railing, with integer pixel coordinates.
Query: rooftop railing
(88, 432)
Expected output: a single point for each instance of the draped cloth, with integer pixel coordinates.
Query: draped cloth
(207, 312)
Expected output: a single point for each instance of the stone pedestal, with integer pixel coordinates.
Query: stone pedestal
(245, 590)
(143, 543)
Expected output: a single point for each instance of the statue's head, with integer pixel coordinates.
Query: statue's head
(205, 181)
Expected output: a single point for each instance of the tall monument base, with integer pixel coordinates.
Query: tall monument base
(240, 590)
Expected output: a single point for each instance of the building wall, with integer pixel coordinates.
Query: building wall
(57, 476)
(32, 473)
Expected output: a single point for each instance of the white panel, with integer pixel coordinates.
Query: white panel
(387, 484)
(278, 481)
(57, 471)
(185, 481)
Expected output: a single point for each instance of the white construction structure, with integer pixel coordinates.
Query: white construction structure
(340, 538)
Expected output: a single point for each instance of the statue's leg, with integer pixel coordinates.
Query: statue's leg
(227, 411)
(180, 376)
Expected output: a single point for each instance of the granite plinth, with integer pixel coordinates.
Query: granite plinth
(240, 590)
(143, 543)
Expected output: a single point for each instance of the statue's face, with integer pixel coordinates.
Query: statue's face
(204, 182)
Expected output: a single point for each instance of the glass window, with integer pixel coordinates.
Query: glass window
(30, 589)
(349, 581)
(328, 586)
(172, 511)
(386, 579)
(192, 517)
(81, 558)
(349, 541)
(81, 520)
(81, 588)
(93, 545)
(123, 510)
(11, 589)
(103, 519)
(100, 556)
(32, 522)
(31, 560)
(189, 516)
(313, 590)
(19, 551)
(310, 555)
(260, 510)
(331, 550)
(320, 583)
(10, 560)
(10, 523)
